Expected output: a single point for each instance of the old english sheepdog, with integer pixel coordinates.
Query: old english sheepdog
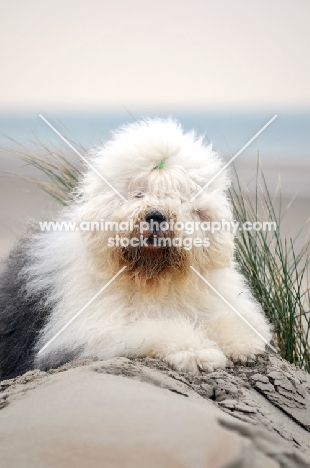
(158, 305)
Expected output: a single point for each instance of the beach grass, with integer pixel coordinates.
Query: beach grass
(276, 272)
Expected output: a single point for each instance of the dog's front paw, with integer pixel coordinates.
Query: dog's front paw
(197, 360)
(243, 352)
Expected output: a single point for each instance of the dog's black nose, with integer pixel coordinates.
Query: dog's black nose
(154, 218)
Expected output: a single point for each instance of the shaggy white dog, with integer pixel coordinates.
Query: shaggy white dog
(158, 306)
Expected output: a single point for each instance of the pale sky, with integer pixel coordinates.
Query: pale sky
(199, 53)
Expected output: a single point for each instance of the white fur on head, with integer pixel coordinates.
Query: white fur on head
(141, 146)
(130, 162)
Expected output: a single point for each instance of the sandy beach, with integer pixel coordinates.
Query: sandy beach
(93, 413)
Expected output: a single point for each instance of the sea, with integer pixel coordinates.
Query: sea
(287, 137)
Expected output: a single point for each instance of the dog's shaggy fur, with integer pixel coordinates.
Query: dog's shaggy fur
(157, 306)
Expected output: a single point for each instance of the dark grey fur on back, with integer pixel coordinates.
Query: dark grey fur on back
(22, 316)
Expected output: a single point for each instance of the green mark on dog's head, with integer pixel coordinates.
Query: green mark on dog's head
(161, 165)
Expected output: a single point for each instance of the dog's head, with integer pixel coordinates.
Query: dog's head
(151, 221)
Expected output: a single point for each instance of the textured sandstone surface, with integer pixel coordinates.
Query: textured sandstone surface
(140, 413)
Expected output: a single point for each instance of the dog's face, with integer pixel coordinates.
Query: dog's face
(157, 232)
